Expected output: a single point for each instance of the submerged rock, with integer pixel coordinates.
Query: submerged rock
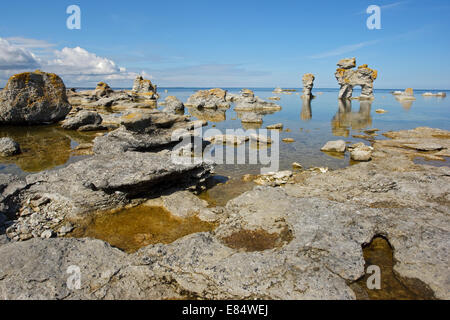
(300, 241)
(33, 98)
(334, 146)
(8, 147)
(349, 78)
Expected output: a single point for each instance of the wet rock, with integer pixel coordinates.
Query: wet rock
(227, 139)
(173, 105)
(274, 179)
(438, 94)
(361, 152)
(297, 166)
(288, 140)
(380, 111)
(408, 94)
(209, 99)
(278, 126)
(334, 146)
(349, 78)
(82, 119)
(33, 98)
(308, 84)
(251, 117)
(8, 147)
(263, 139)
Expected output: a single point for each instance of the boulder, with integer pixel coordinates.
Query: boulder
(361, 152)
(348, 78)
(8, 147)
(33, 98)
(209, 99)
(173, 106)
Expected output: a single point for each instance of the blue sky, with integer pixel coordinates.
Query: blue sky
(227, 43)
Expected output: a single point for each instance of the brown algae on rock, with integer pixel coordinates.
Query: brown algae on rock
(133, 228)
(257, 240)
(393, 287)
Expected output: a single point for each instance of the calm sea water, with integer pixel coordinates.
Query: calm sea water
(310, 126)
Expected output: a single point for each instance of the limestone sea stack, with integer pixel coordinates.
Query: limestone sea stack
(348, 78)
(33, 98)
(144, 87)
(308, 84)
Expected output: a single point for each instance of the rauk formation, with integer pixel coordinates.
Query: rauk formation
(298, 235)
(348, 78)
(308, 84)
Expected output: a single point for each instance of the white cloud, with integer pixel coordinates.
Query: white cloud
(29, 43)
(77, 61)
(15, 58)
(77, 66)
(343, 50)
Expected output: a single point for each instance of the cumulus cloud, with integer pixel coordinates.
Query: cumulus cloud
(15, 58)
(76, 66)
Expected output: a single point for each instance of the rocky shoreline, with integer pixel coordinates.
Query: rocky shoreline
(298, 235)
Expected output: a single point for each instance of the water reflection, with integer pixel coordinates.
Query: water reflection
(212, 115)
(306, 113)
(406, 104)
(345, 119)
(43, 147)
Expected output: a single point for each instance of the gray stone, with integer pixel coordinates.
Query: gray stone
(81, 119)
(334, 146)
(33, 98)
(173, 105)
(8, 147)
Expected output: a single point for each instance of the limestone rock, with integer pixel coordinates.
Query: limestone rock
(82, 118)
(103, 90)
(361, 152)
(348, 63)
(334, 146)
(277, 126)
(173, 105)
(8, 147)
(349, 78)
(143, 86)
(308, 84)
(209, 99)
(33, 98)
